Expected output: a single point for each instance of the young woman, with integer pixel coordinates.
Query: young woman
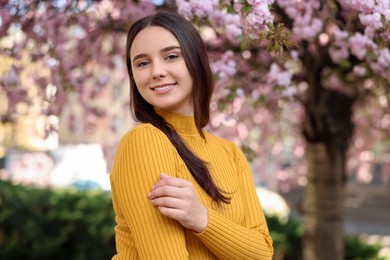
(179, 192)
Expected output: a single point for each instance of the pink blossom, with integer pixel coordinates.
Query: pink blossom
(255, 21)
(338, 50)
(307, 29)
(230, 24)
(370, 13)
(360, 44)
(305, 24)
(290, 7)
(382, 64)
(253, 25)
(237, 104)
(279, 77)
(238, 5)
(362, 5)
(233, 32)
(226, 67)
(371, 20)
(386, 14)
(333, 82)
(242, 131)
(289, 92)
(338, 54)
(385, 36)
(359, 70)
(31, 168)
(197, 8)
(340, 36)
(384, 58)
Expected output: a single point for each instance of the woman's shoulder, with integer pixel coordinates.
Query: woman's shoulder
(231, 149)
(228, 145)
(145, 133)
(144, 129)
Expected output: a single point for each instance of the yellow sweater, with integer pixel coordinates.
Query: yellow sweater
(235, 231)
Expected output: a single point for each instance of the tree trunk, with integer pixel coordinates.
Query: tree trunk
(323, 204)
(328, 130)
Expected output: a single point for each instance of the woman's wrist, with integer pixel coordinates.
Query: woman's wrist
(203, 221)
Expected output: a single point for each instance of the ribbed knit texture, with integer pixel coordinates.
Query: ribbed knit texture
(235, 231)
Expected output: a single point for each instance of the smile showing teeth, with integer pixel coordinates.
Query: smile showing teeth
(163, 87)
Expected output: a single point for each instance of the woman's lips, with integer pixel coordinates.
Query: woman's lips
(162, 89)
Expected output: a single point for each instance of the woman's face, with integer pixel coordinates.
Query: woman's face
(160, 72)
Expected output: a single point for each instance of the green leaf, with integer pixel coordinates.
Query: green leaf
(230, 10)
(246, 9)
(345, 64)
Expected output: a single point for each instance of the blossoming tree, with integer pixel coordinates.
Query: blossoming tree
(335, 73)
(339, 63)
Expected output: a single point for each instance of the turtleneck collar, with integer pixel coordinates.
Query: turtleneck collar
(184, 125)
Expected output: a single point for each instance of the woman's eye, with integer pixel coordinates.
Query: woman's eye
(142, 64)
(171, 56)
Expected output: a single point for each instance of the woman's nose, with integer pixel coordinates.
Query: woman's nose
(158, 75)
(158, 70)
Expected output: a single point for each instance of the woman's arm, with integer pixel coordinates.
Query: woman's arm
(141, 156)
(176, 198)
(228, 240)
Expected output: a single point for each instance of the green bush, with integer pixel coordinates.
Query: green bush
(64, 224)
(357, 250)
(287, 238)
(73, 224)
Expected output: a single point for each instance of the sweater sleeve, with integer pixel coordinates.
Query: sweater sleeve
(229, 240)
(141, 156)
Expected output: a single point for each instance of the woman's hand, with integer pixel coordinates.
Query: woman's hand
(176, 198)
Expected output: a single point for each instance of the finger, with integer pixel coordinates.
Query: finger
(162, 176)
(168, 202)
(166, 191)
(171, 212)
(165, 176)
(171, 181)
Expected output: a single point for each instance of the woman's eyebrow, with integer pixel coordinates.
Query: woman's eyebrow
(143, 55)
(169, 48)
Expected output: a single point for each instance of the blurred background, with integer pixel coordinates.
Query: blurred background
(302, 86)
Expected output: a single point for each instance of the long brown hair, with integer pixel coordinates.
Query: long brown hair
(195, 56)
